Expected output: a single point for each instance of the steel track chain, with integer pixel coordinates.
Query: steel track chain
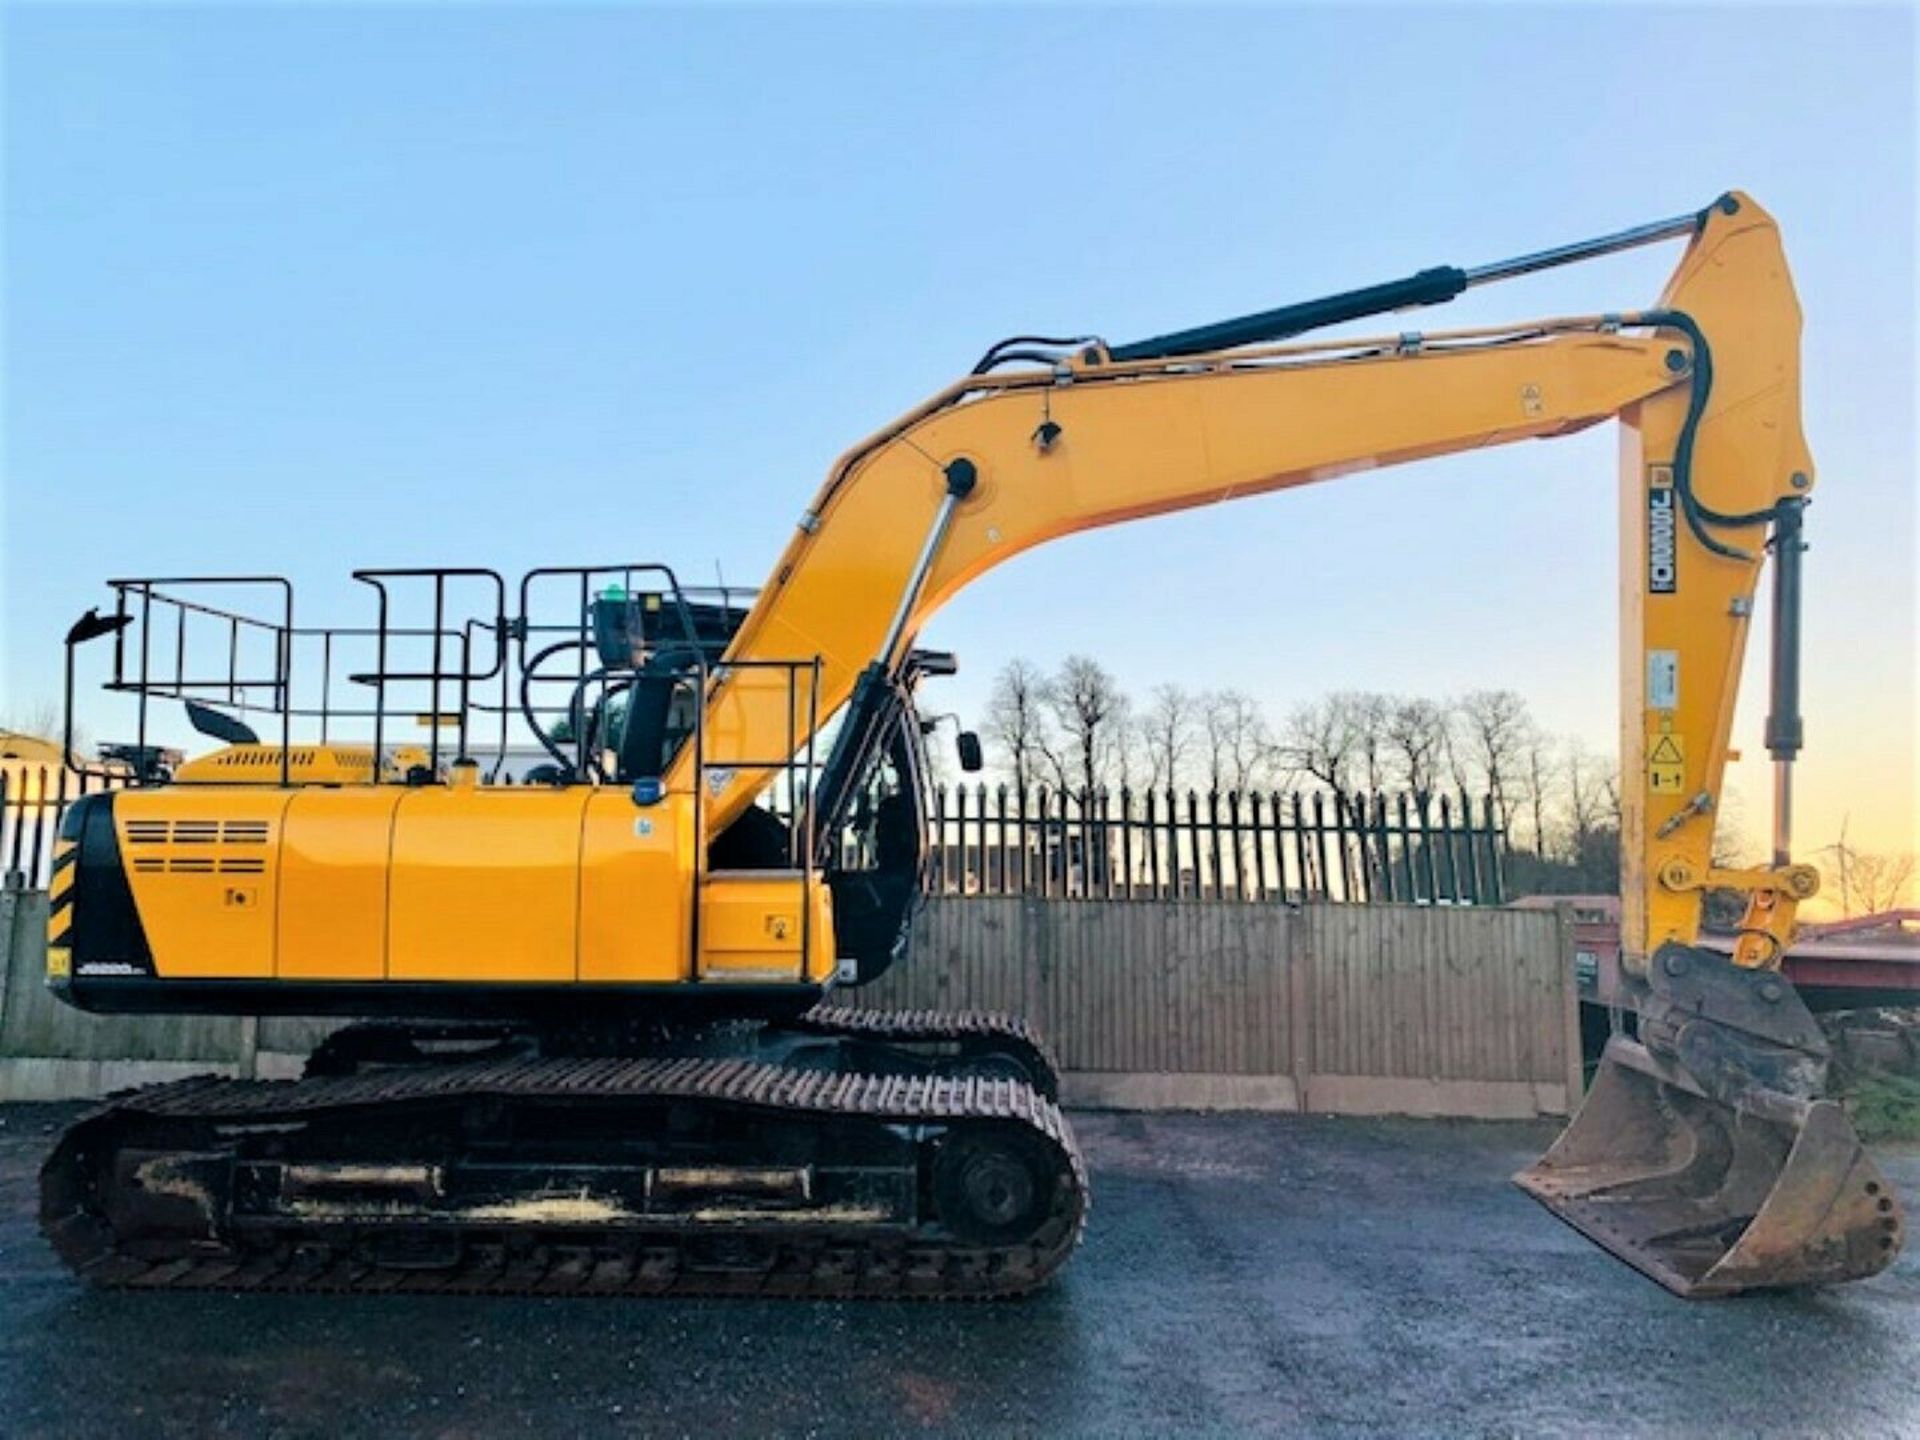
(658, 1264)
(987, 1027)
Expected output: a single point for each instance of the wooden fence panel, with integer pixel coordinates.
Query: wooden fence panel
(1419, 1009)
(1169, 986)
(1438, 1010)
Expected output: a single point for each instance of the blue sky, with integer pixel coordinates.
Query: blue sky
(303, 288)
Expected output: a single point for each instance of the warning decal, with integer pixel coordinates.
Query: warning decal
(1666, 764)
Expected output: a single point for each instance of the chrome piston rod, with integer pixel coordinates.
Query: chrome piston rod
(1649, 234)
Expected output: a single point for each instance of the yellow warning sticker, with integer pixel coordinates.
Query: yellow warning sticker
(59, 962)
(1666, 764)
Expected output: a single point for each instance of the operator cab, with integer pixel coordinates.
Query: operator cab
(871, 816)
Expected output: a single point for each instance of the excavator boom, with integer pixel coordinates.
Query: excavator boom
(1705, 385)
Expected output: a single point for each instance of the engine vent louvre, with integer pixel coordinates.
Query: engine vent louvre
(201, 835)
(329, 764)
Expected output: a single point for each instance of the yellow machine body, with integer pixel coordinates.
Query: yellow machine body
(471, 886)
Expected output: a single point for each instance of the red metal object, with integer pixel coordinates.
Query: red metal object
(1857, 963)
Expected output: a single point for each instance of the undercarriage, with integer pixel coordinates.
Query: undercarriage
(850, 1153)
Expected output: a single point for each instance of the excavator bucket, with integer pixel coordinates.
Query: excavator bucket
(1703, 1155)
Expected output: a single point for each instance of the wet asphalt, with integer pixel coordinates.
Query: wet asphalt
(1241, 1275)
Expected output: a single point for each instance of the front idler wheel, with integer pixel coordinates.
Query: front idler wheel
(992, 1189)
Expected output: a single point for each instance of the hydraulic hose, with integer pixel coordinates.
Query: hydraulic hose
(1698, 514)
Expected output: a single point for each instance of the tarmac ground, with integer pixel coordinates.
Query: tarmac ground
(1241, 1274)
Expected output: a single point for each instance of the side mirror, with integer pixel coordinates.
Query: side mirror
(968, 744)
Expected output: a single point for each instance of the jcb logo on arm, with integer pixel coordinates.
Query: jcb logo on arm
(1662, 558)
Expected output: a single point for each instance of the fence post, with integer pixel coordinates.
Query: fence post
(1295, 926)
(1323, 872)
(980, 853)
(1022, 838)
(10, 867)
(1496, 842)
(10, 898)
(1576, 1061)
(1429, 862)
(1472, 848)
(1412, 865)
(1003, 860)
(1042, 803)
(1213, 838)
(939, 880)
(1342, 850)
(1173, 842)
(960, 832)
(1153, 848)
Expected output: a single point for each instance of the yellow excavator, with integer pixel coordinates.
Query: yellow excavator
(594, 1049)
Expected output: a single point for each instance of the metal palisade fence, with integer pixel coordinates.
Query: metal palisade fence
(33, 799)
(1253, 846)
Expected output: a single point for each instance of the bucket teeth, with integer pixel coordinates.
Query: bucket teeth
(1711, 1183)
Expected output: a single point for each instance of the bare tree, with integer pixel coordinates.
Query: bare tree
(1087, 705)
(1583, 793)
(1016, 720)
(1455, 759)
(1881, 881)
(1869, 883)
(1127, 759)
(1369, 719)
(1238, 743)
(1166, 731)
(1540, 756)
(1494, 727)
(1609, 782)
(1416, 731)
(1318, 741)
(1587, 792)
